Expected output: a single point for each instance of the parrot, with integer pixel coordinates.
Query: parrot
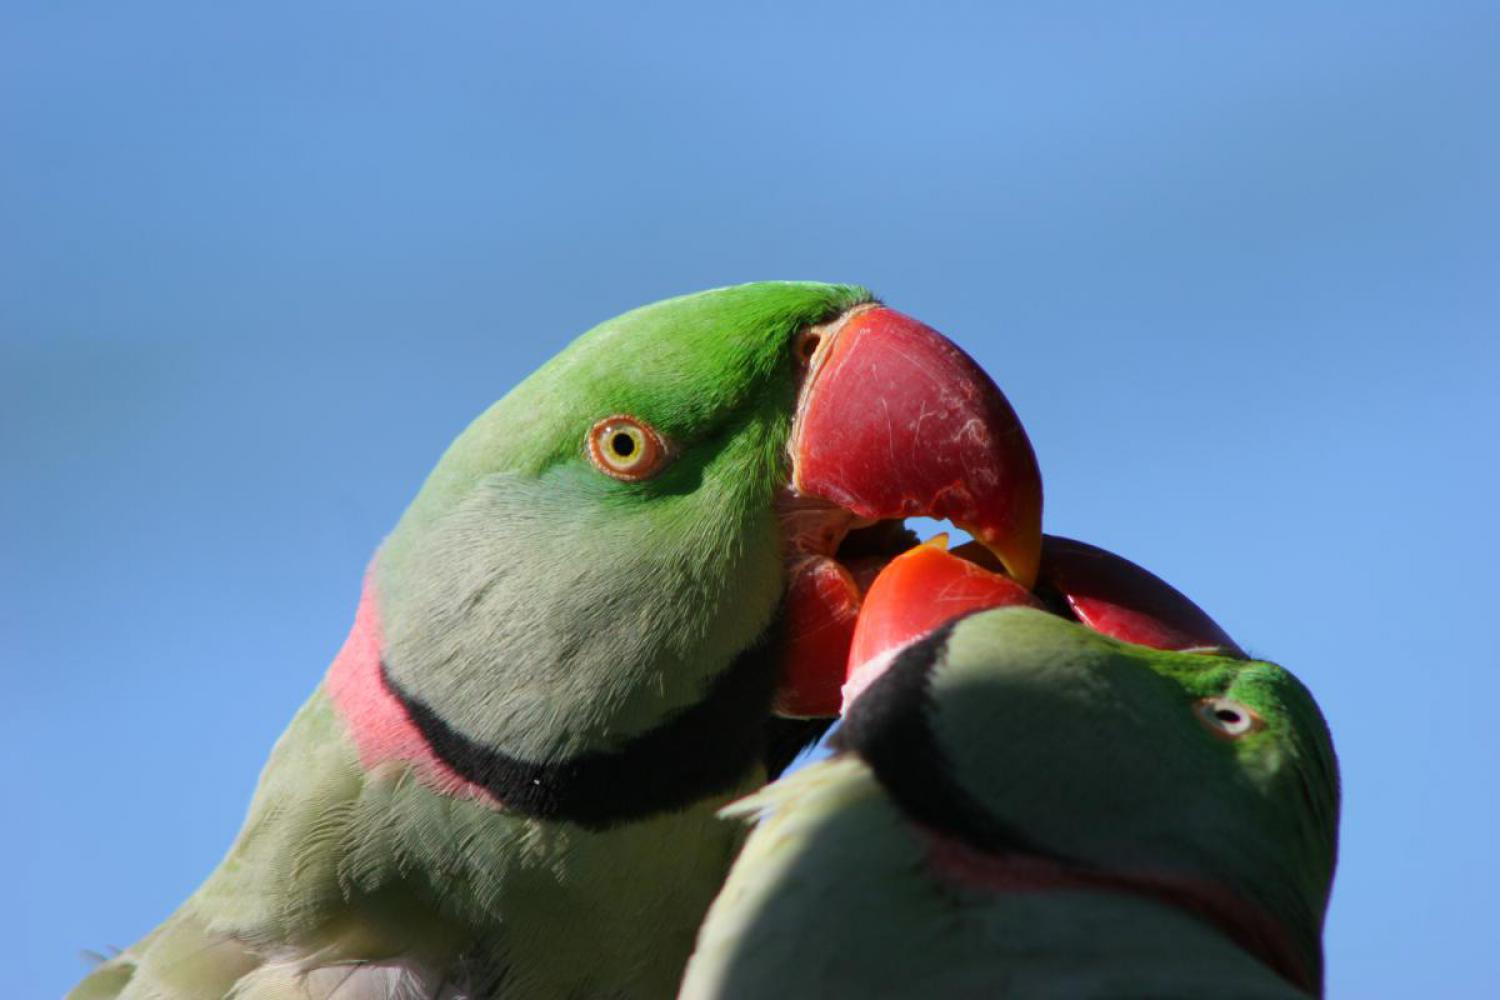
(1023, 805)
(608, 612)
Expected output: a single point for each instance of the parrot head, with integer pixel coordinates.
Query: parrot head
(613, 574)
(1039, 755)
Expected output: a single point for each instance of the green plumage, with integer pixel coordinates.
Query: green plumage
(1041, 748)
(550, 614)
(336, 867)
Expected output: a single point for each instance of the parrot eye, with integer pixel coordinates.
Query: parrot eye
(626, 448)
(1228, 718)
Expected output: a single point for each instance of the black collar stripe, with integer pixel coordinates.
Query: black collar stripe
(888, 726)
(702, 750)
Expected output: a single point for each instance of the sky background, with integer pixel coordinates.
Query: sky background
(1235, 268)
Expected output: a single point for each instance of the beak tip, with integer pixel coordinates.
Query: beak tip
(1024, 563)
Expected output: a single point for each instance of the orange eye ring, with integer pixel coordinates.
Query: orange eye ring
(626, 448)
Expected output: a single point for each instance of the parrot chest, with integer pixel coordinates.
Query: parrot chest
(612, 913)
(372, 866)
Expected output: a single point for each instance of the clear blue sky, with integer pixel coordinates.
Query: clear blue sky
(1236, 269)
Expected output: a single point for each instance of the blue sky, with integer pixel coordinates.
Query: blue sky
(1236, 269)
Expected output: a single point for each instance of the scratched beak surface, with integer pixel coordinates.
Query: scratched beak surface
(896, 421)
(893, 421)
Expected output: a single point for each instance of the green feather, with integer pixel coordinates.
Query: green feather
(548, 609)
(1073, 744)
(544, 610)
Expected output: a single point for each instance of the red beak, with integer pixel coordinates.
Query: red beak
(919, 591)
(897, 422)
(894, 421)
(1113, 595)
(928, 586)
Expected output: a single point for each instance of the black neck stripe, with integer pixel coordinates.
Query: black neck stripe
(702, 750)
(888, 726)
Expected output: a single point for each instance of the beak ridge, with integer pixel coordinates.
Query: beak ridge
(896, 421)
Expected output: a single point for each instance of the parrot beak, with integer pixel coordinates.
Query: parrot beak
(1114, 596)
(928, 586)
(893, 421)
(920, 590)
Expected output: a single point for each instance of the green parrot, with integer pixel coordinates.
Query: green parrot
(1020, 806)
(601, 619)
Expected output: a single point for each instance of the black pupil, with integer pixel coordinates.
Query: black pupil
(1227, 715)
(622, 444)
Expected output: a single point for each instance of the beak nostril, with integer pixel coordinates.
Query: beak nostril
(807, 346)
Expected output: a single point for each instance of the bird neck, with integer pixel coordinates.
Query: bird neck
(378, 724)
(702, 752)
(1064, 922)
(1100, 943)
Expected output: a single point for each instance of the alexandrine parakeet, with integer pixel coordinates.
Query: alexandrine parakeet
(1021, 806)
(567, 654)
